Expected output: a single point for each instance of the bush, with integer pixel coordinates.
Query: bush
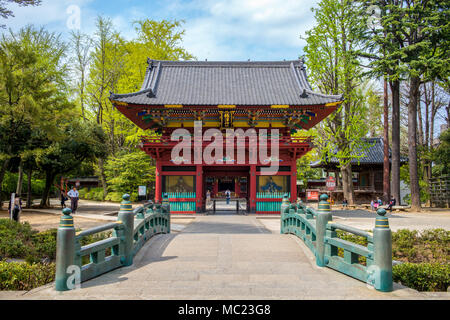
(114, 196)
(25, 276)
(428, 246)
(18, 240)
(15, 238)
(423, 276)
(45, 244)
(92, 194)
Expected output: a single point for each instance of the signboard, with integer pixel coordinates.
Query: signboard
(312, 195)
(142, 191)
(331, 183)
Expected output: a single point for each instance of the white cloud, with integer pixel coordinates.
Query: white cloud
(231, 29)
(216, 30)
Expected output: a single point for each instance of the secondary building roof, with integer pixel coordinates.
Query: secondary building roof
(226, 83)
(374, 154)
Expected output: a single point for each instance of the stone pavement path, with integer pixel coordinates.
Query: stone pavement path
(223, 257)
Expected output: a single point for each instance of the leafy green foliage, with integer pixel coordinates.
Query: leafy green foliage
(442, 154)
(128, 171)
(25, 276)
(429, 246)
(423, 276)
(18, 240)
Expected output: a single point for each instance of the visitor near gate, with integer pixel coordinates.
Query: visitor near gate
(344, 203)
(17, 209)
(74, 196)
(208, 198)
(63, 198)
(391, 204)
(228, 195)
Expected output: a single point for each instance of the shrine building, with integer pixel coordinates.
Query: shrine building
(201, 103)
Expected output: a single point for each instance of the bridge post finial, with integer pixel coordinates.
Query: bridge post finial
(382, 241)
(284, 209)
(323, 216)
(165, 208)
(65, 250)
(126, 215)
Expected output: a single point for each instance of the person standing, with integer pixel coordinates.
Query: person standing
(344, 203)
(228, 195)
(17, 208)
(73, 195)
(63, 199)
(208, 198)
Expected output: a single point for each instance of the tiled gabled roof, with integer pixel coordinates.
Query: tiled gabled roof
(374, 154)
(225, 83)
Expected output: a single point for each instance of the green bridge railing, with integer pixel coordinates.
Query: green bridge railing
(130, 232)
(319, 234)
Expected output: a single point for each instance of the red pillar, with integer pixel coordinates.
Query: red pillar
(199, 188)
(294, 181)
(253, 188)
(158, 182)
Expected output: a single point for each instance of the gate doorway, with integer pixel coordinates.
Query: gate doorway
(217, 183)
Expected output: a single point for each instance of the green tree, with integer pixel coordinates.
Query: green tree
(334, 69)
(128, 170)
(82, 142)
(32, 81)
(442, 154)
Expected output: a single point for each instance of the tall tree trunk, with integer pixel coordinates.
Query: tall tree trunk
(412, 143)
(20, 179)
(103, 177)
(386, 162)
(49, 177)
(427, 162)
(2, 175)
(395, 174)
(347, 184)
(351, 189)
(29, 199)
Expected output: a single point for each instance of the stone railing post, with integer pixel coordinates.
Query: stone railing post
(322, 218)
(284, 205)
(165, 207)
(65, 251)
(382, 242)
(127, 217)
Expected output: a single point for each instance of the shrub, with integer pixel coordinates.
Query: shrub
(15, 238)
(45, 244)
(114, 196)
(25, 276)
(423, 276)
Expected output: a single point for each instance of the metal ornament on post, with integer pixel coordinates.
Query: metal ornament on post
(323, 216)
(284, 207)
(127, 217)
(382, 241)
(65, 250)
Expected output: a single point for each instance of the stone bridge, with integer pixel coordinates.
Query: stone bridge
(224, 257)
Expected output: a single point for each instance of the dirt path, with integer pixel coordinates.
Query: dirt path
(45, 221)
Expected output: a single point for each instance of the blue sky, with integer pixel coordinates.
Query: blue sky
(215, 30)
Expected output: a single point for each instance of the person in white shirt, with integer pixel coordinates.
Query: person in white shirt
(73, 195)
(228, 195)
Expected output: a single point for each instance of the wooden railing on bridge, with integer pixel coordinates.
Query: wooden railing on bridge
(319, 234)
(130, 232)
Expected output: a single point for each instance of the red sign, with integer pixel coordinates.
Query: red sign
(312, 195)
(331, 183)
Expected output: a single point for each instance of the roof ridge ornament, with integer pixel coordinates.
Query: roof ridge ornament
(304, 94)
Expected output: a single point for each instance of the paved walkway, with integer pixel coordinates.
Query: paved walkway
(223, 257)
